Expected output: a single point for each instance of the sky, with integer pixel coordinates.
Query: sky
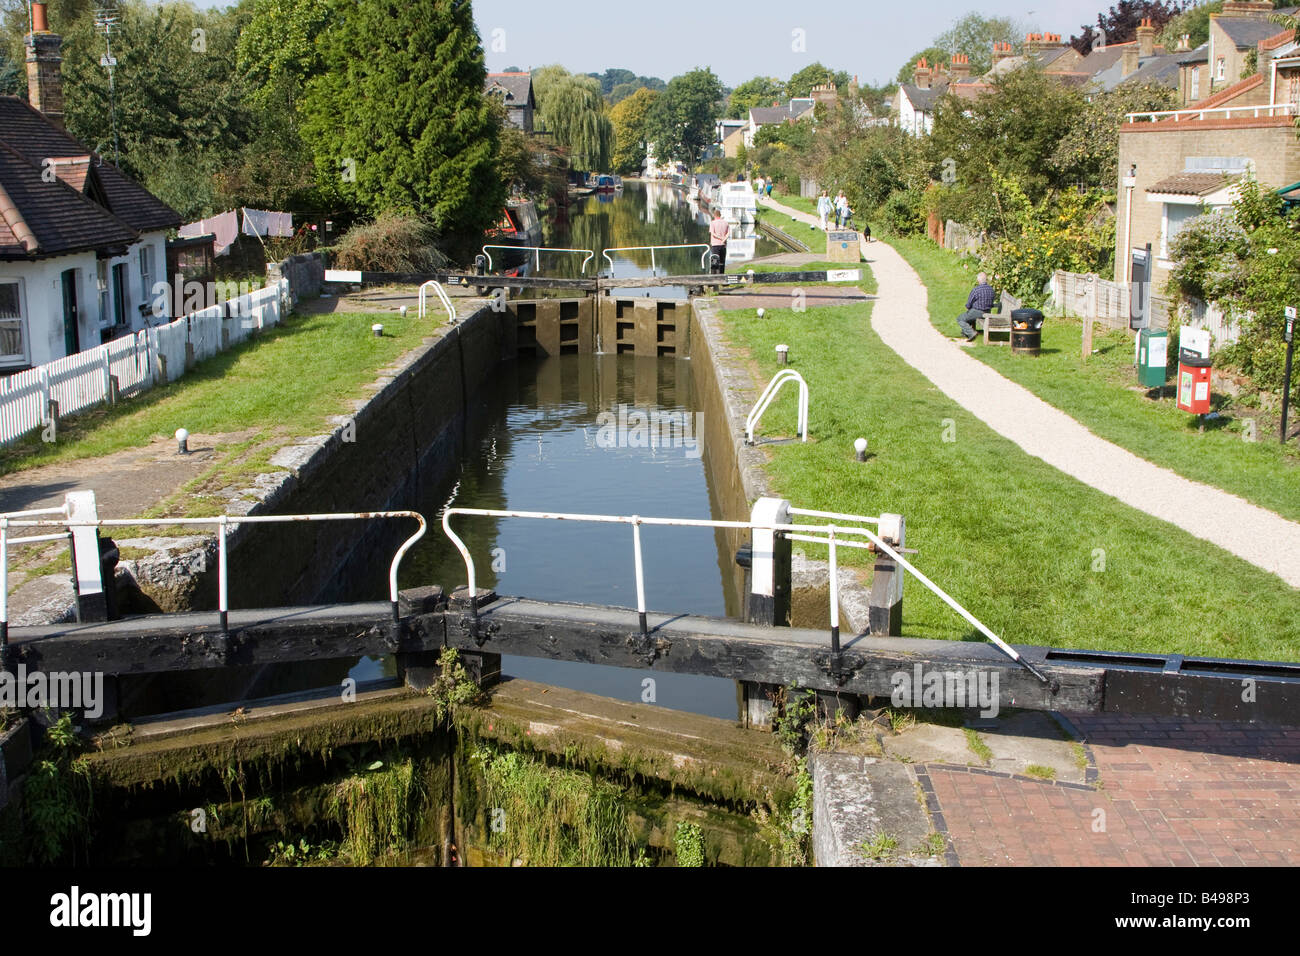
(870, 39)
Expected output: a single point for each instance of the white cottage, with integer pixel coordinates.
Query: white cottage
(82, 246)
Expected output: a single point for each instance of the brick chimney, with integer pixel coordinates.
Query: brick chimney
(1184, 44)
(1129, 60)
(1001, 51)
(44, 70)
(1260, 9)
(923, 74)
(960, 66)
(1146, 36)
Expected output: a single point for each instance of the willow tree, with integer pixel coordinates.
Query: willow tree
(573, 112)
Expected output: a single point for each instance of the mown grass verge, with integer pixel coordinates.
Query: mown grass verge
(1038, 556)
(1101, 394)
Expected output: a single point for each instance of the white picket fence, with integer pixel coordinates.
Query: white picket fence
(137, 362)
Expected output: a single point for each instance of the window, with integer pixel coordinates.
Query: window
(1176, 217)
(101, 285)
(1194, 93)
(1219, 68)
(146, 273)
(13, 345)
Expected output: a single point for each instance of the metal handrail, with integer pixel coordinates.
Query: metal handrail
(537, 251)
(223, 524)
(1152, 116)
(442, 294)
(769, 395)
(651, 249)
(796, 532)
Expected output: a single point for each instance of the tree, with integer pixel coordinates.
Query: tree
(814, 74)
(1089, 151)
(574, 113)
(1120, 23)
(974, 36)
(277, 46)
(680, 123)
(932, 54)
(630, 119)
(398, 119)
(760, 91)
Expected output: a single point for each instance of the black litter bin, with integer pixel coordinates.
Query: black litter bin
(1026, 331)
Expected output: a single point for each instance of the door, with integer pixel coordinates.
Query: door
(121, 289)
(71, 341)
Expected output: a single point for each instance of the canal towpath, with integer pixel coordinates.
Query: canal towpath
(901, 319)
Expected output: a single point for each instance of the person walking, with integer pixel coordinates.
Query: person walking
(824, 209)
(979, 301)
(841, 204)
(719, 230)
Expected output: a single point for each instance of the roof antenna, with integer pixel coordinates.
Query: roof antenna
(106, 19)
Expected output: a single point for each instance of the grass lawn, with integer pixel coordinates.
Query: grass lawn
(1099, 395)
(288, 382)
(1010, 537)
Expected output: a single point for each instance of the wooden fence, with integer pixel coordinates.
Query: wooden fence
(33, 399)
(1084, 295)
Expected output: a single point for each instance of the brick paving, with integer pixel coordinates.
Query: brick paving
(1173, 793)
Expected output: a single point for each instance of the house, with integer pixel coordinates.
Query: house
(791, 112)
(729, 134)
(515, 90)
(82, 246)
(1176, 165)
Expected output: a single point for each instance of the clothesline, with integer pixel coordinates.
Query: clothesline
(228, 226)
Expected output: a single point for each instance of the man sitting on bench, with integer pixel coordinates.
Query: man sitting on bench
(979, 301)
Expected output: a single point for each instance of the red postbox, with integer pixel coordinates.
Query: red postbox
(1193, 383)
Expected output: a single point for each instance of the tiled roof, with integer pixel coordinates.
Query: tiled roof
(1231, 92)
(29, 134)
(61, 219)
(1272, 43)
(516, 85)
(925, 99)
(1247, 31)
(1189, 184)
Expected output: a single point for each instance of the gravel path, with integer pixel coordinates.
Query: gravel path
(901, 319)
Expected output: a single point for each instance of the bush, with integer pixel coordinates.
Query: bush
(904, 213)
(392, 243)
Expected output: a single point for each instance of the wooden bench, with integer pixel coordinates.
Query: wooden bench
(1000, 321)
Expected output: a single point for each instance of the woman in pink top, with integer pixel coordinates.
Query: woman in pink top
(719, 230)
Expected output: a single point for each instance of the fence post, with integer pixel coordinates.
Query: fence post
(108, 378)
(768, 601)
(886, 608)
(87, 562)
(1089, 315)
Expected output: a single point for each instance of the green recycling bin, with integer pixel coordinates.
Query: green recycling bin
(1153, 357)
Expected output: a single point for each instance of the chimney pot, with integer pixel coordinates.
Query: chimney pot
(40, 22)
(44, 67)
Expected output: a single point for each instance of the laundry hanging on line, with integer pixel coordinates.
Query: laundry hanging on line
(228, 226)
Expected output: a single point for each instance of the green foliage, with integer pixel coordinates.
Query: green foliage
(549, 816)
(681, 121)
(277, 47)
(795, 710)
(575, 114)
(1088, 154)
(454, 687)
(1035, 239)
(375, 808)
(301, 853)
(1248, 261)
(57, 797)
(760, 91)
(688, 844)
(398, 120)
(630, 118)
(932, 54)
(880, 848)
(814, 74)
(974, 35)
(904, 213)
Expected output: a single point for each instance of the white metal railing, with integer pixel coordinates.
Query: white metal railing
(223, 524)
(537, 254)
(769, 395)
(442, 295)
(138, 361)
(652, 249)
(1216, 112)
(827, 534)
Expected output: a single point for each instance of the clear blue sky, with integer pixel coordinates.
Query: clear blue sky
(867, 38)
